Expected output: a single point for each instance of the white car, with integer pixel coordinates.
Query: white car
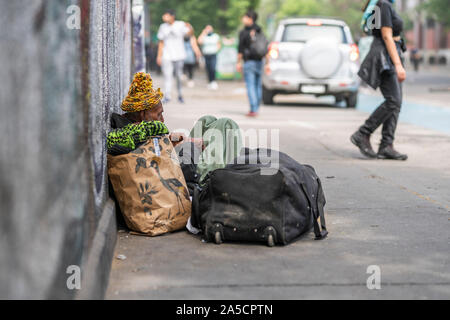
(312, 56)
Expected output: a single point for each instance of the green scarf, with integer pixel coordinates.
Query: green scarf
(134, 133)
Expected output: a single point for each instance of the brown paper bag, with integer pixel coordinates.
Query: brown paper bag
(150, 187)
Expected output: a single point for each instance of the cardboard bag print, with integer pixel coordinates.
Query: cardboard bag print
(150, 187)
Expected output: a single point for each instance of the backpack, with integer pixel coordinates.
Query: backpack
(258, 45)
(240, 203)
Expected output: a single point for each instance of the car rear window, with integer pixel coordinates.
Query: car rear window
(304, 32)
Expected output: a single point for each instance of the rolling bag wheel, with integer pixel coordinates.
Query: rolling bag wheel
(217, 232)
(217, 237)
(270, 240)
(271, 236)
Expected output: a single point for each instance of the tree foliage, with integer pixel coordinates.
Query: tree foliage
(223, 15)
(291, 8)
(438, 9)
(347, 10)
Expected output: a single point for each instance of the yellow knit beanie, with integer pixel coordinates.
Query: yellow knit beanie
(141, 95)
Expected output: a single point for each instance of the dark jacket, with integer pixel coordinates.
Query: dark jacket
(244, 42)
(376, 62)
(119, 121)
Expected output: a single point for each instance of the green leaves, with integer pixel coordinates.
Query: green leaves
(302, 7)
(438, 9)
(223, 15)
(347, 10)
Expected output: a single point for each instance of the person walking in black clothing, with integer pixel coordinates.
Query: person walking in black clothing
(252, 66)
(383, 67)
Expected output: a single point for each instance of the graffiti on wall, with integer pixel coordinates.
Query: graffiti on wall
(138, 36)
(63, 84)
(109, 77)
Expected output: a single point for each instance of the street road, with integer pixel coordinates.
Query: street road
(394, 215)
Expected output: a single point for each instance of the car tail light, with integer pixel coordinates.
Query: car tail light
(314, 22)
(273, 50)
(354, 52)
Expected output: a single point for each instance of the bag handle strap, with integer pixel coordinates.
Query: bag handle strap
(199, 189)
(195, 219)
(320, 230)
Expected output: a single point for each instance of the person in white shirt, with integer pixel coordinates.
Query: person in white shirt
(171, 52)
(210, 42)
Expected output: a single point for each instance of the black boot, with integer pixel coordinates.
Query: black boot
(388, 152)
(362, 141)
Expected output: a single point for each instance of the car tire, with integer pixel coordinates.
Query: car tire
(338, 99)
(267, 96)
(352, 100)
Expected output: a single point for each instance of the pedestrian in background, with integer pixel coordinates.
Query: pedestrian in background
(383, 67)
(252, 66)
(210, 43)
(415, 58)
(193, 54)
(171, 52)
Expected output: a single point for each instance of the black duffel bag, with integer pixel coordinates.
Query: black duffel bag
(250, 201)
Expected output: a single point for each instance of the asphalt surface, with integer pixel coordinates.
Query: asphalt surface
(394, 215)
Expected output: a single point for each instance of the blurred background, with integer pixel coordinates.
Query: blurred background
(65, 66)
(426, 22)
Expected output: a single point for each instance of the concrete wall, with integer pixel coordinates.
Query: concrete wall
(58, 88)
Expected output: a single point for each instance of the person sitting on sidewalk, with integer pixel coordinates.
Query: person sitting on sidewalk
(142, 119)
(209, 145)
(143, 103)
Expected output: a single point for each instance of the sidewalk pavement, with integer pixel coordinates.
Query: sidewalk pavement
(395, 215)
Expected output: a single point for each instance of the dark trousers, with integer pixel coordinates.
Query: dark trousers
(189, 70)
(210, 61)
(387, 113)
